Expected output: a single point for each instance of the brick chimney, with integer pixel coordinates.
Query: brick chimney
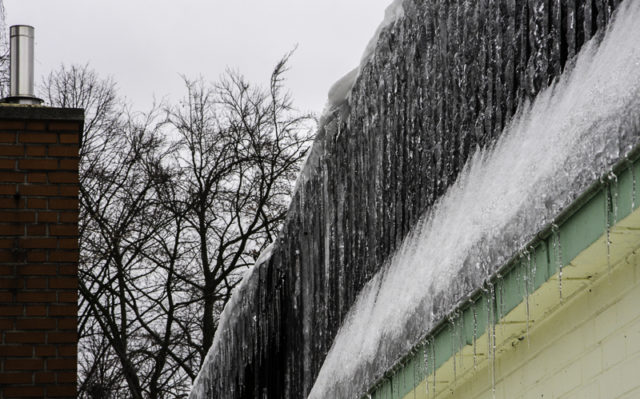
(38, 250)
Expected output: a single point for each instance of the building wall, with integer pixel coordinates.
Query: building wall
(588, 348)
(38, 251)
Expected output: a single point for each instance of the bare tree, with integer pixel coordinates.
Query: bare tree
(241, 148)
(126, 231)
(167, 228)
(4, 53)
(78, 86)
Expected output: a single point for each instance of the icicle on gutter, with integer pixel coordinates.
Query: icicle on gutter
(491, 335)
(404, 376)
(633, 183)
(607, 220)
(633, 189)
(475, 336)
(415, 388)
(426, 365)
(612, 216)
(527, 284)
(534, 269)
(452, 337)
(500, 306)
(558, 255)
(461, 337)
(433, 353)
(614, 195)
(525, 281)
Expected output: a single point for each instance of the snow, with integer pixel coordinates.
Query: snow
(341, 90)
(549, 154)
(392, 13)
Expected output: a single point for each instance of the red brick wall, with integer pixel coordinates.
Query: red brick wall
(38, 251)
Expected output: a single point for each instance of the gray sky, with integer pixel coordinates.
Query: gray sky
(146, 44)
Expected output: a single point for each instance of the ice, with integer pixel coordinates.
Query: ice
(491, 335)
(239, 299)
(558, 256)
(633, 185)
(528, 287)
(504, 195)
(341, 90)
(441, 82)
(607, 220)
(613, 179)
(475, 336)
(426, 366)
(392, 13)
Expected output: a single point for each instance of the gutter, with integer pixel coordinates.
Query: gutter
(627, 162)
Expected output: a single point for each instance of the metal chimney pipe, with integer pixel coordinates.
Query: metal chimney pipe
(22, 82)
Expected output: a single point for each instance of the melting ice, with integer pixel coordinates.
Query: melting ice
(550, 153)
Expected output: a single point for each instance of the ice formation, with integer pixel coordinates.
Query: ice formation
(442, 80)
(239, 298)
(552, 150)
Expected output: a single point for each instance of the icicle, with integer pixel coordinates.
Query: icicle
(587, 20)
(493, 345)
(527, 286)
(571, 29)
(633, 188)
(633, 184)
(614, 195)
(534, 269)
(433, 350)
(607, 216)
(500, 283)
(452, 333)
(461, 338)
(491, 336)
(426, 366)
(607, 220)
(413, 364)
(558, 251)
(404, 376)
(475, 336)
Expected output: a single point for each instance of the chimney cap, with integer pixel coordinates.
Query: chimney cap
(21, 66)
(22, 30)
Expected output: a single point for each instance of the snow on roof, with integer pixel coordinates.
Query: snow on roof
(340, 91)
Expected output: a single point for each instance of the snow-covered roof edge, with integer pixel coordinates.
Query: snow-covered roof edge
(340, 93)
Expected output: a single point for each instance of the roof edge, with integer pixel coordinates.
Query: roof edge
(627, 163)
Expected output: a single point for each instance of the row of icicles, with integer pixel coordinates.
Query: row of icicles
(496, 311)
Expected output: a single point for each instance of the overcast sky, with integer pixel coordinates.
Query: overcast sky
(146, 44)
